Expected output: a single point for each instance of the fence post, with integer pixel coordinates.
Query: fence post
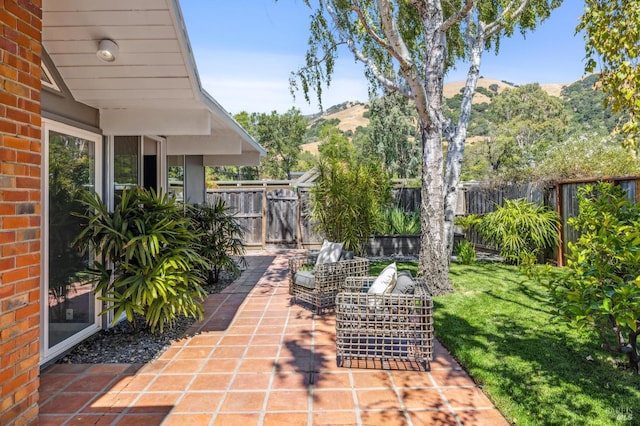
(264, 218)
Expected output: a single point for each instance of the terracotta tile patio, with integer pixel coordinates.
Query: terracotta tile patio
(257, 360)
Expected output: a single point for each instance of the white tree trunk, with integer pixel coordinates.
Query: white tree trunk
(457, 143)
(434, 259)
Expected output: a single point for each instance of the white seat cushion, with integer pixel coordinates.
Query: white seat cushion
(385, 282)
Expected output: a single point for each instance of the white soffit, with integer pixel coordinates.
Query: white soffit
(153, 73)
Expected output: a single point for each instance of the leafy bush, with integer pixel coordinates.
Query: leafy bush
(396, 221)
(466, 252)
(148, 264)
(600, 287)
(347, 201)
(219, 238)
(520, 229)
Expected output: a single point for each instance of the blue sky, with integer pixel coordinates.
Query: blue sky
(246, 49)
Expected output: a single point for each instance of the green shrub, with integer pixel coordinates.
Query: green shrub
(521, 230)
(219, 238)
(466, 252)
(347, 201)
(396, 221)
(600, 287)
(147, 264)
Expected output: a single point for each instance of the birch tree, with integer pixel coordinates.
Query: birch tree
(407, 46)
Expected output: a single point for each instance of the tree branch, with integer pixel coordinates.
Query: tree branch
(497, 25)
(458, 16)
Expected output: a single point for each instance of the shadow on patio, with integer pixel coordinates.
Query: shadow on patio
(258, 360)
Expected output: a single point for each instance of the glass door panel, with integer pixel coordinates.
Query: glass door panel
(71, 302)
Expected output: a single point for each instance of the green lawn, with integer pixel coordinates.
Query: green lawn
(499, 326)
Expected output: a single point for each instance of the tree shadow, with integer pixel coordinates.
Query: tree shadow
(524, 359)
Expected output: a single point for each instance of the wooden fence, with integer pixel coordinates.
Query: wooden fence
(280, 215)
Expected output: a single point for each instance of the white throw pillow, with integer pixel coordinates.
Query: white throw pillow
(329, 253)
(385, 282)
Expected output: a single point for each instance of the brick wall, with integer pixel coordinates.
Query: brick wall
(20, 161)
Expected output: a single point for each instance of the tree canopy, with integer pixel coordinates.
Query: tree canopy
(612, 33)
(407, 47)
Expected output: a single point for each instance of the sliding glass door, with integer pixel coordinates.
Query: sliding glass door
(73, 166)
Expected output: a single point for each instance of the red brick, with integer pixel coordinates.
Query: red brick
(7, 154)
(7, 237)
(6, 264)
(25, 157)
(15, 275)
(6, 374)
(14, 195)
(17, 11)
(34, 221)
(27, 29)
(31, 387)
(15, 222)
(18, 37)
(35, 171)
(27, 311)
(28, 285)
(8, 19)
(14, 249)
(12, 385)
(28, 337)
(6, 319)
(23, 182)
(27, 260)
(28, 105)
(29, 80)
(8, 45)
(26, 364)
(16, 143)
(7, 290)
(8, 72)
(8, 127)
(16, 88)
(34, 196)
(34, 296)
(17, 329)
(18, 115)
(8, 99)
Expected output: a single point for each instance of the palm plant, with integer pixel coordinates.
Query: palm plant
(147, 263)
(220, 238)
(396, 221)
(521, 230)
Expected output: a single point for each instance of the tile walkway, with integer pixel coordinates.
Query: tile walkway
(256, 360)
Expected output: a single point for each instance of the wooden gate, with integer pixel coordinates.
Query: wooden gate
(283, 223)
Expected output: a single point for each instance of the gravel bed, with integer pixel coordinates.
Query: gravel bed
(122, 344)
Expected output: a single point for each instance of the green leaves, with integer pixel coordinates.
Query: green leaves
(148, 241)
(347, 201)
(600, 286)
(520, 230)
(613, 41)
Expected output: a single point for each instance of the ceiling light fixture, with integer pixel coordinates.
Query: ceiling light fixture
(107, 50)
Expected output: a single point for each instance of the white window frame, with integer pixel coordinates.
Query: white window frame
(47, 354)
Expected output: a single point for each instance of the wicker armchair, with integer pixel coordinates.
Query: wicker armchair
(327, 279)
(383, 327)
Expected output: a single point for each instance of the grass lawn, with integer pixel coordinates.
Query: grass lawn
(499, 326)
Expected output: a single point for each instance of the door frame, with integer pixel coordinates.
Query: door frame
(47, 354)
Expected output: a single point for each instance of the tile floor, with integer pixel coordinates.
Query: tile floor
(257, 360)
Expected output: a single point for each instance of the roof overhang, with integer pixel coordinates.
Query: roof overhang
(153, 86)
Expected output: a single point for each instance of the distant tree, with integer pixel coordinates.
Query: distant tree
(281, 135)
(587, 106)
(407, 47)
(613, 45)
(585, 156)
(526, 122)
(392, 136)
(334, 145)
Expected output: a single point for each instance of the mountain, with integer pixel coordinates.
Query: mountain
(348, 116)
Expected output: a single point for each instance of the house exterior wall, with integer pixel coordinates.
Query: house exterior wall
(20, 165)
(63, 108)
